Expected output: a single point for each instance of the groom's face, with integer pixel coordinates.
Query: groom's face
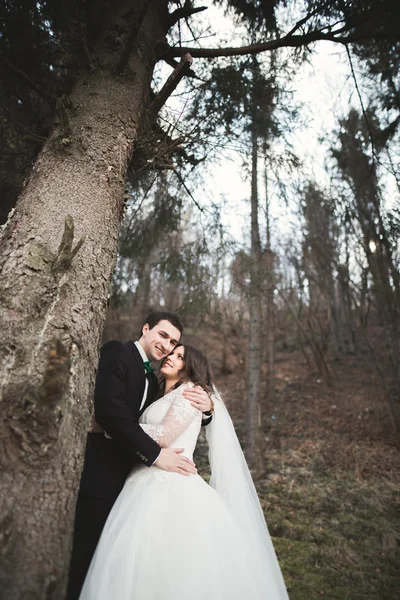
(160, 340)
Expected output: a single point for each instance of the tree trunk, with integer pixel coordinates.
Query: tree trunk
(53, 311)
(255, 324)
(346, 319)
(269, 301)
(224, 327)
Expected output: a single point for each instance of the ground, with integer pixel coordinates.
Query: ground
(330, 482)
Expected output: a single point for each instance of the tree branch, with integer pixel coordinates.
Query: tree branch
(66, 252)
(127, 50)
(31, 134)
(179, 176)
(174, 63)
(295, 41)
(62, 118)
(23, 76)
(304, 20)
(174, 146)
(85, 47)
(19, 170)
(364, 112)
(177, 74)
(184, 12)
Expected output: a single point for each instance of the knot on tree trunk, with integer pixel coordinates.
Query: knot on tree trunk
(66, 253)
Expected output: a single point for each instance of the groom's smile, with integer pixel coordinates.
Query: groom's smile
(161, 351)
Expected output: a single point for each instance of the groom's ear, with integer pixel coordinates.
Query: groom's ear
(145, 329)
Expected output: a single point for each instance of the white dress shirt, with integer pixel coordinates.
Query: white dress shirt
(146, 385)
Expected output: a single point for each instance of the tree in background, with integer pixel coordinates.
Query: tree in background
(270, 276)
(244, 97)
(375, 226)
(320, 249)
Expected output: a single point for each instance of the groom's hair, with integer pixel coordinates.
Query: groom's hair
(155, 317)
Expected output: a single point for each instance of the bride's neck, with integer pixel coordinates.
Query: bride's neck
(169, 383)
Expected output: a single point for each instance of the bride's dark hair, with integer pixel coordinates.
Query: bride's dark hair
(197, 369)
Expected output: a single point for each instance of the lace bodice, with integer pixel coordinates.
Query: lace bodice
(172, 421)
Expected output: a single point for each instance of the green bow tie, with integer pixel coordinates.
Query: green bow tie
(148, 366)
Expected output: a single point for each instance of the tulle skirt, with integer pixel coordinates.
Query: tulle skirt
(173, 537)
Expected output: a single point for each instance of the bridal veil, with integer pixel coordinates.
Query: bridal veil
(231, 478)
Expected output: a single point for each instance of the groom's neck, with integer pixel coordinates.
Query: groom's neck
(142, 345)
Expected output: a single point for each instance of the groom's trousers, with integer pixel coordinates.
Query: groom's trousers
(90, 517)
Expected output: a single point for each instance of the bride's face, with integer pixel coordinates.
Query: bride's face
(174, 364)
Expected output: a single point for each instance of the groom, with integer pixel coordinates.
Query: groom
(125, 387)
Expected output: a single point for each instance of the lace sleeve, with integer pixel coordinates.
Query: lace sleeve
(179, 416)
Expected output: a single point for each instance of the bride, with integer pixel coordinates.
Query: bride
(179, 538)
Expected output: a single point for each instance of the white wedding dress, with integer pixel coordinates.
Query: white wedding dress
(173, 537)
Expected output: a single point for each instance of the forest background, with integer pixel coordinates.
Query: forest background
(217, 188)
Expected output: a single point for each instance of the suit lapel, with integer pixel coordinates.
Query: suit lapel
(138, 359)
(136, 354)
(151, 392)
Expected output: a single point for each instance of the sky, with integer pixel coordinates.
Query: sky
(325, 90)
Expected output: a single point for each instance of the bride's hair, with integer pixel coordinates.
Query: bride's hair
(197, 369)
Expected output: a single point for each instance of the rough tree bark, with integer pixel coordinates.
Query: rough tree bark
(53, 305)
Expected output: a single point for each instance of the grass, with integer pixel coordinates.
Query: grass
(337, 534)
(336, 537)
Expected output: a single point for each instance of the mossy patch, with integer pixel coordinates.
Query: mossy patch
(336, 538)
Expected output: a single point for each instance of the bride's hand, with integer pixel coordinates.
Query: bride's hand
(170, 459)
(198, 398)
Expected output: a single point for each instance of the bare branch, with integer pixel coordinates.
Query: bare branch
(62, 117)
(173, 80)
(31, 134)
(173, 145)
(184, 12)
(19, 170)
(364, 112)
(139, 208)
(66, 252)
(294, 41)
(179, 176)
(85, 47)
(304, 20)
(174, 63)
(23, 76)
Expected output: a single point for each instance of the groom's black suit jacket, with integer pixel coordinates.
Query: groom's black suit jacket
(119, 390)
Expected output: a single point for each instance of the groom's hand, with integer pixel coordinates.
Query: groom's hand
(170, 459)
(198, 398)
(95, 427)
